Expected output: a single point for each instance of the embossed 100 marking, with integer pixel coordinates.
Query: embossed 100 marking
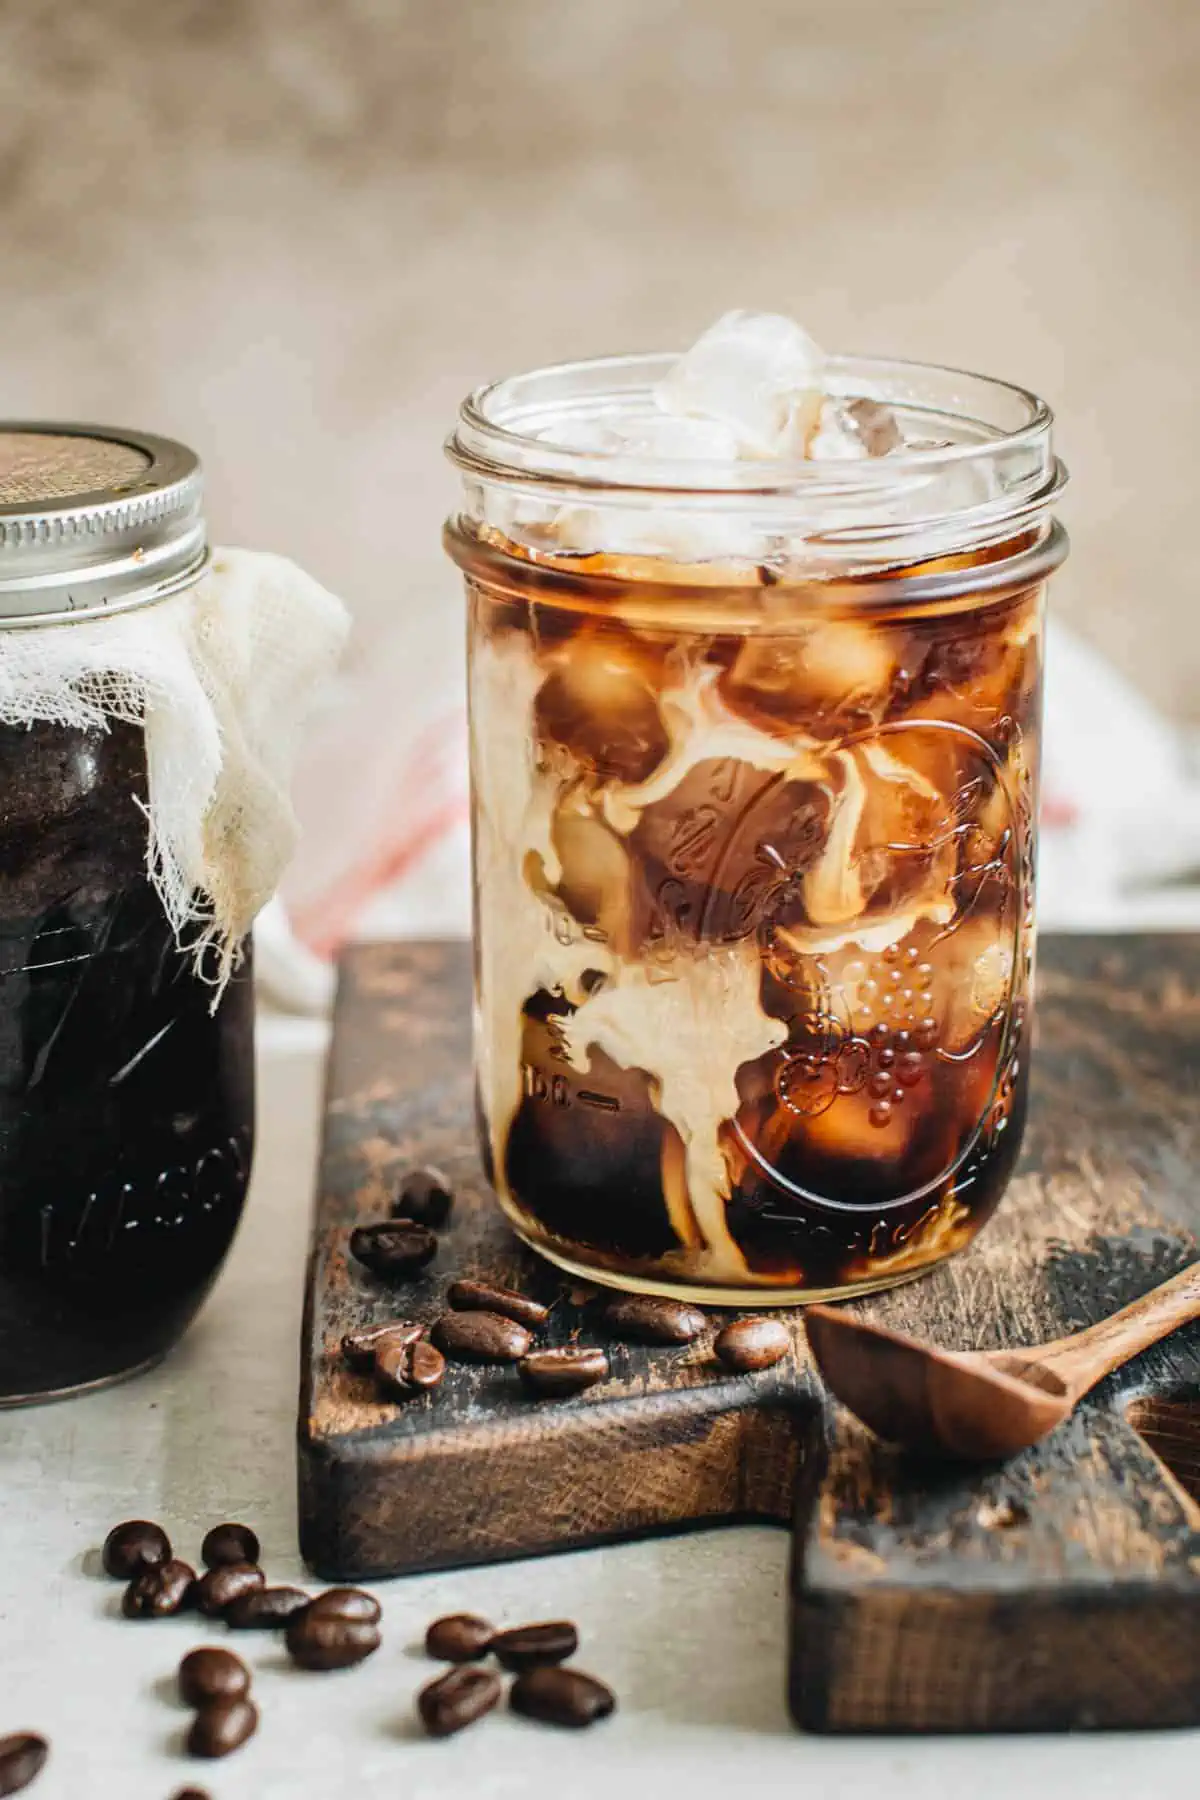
(556, 1090)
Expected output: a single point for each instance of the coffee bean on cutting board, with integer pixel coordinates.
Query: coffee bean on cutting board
(325, 1641)
(527, 1646)
(229, 1543)
(424, 1195)
(408, 1369)
(557, 1696)
(646, 1319)
(222, 1727)
(136, 1545)
(225, 1584)
(457, 1699)
(485, 1296)
(481, 1337)
(265, 1608)
(394, 1252)
(212, 1674)
(347, 1603)
(745, 1345)
(459, 1638)
(159, 1592)
(360, 1347)
(557, 1373)
(22, 1758)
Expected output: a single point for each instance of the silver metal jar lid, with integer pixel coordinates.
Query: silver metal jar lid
(94, 520)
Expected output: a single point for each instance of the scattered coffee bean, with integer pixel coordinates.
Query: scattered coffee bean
(459, 1638)
(222, 1727)
(456, 1699)
(157, 1593)
(265, 1608)
(394, 1251)
(526, 1646)
(565, 1371)
(646, 1319)
(408, 1369)
(329, 1640)
(229, 1544)
(191, 1794)
(561, 1697)
(216, 1590)
(347, 1603)
(749, 1344)
(134, 1546)
(482, 1296)
(483, 1337)
(22, 1758)
(209, 1674)
(424, 1195)
(360, 1347)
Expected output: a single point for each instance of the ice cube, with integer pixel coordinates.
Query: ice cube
(758, 374)
(850, 430)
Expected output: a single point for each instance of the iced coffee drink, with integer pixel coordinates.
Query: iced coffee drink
(755, 683)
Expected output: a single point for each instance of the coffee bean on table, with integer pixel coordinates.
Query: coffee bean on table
(646, 1319)
(459, 1638)
(560, 1372)
(224, 1584)
(134, 1546)
(222, 1727)
(265, 1608)
(347, 1603)
(157, 1593)
(22, 1758)
(190, 1794)
(330, 1641)
(395, 1252)
(561, 1697)
(484, 1296)
(229, 1543)
(360, 1347)
(482, 1337)
(456, 1699)
(409, 1369)
(424, 1195)
(748, 1344)
(211, 1674)
(526, 1646)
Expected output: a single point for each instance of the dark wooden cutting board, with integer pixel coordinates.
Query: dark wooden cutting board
(1062, 1590)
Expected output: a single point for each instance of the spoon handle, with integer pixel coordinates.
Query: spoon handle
(1086, 1357)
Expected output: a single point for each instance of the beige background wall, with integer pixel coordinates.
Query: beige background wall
(295, 231)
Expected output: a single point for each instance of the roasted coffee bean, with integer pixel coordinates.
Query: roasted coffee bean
(191, 1794)
(159, 1592)
(360, 1347)
(561, 1697)
(222, 1585)
(22, 1758)
(482, 1296)
(229, 1544)
(209, 1674)
(395, 1252)
(134, 1546)
(525, 1646)
(347, 1603)
(424, 1195)
(645, 1319)
(456, 1699)
(459, 1638)
(221, 1727)
(329, 1640)
(408, 1369)
(265, 1608)
(565, 1371)
(482, 1337)
(748, 1344)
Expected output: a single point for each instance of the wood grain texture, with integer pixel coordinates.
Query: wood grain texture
(1062, 1590)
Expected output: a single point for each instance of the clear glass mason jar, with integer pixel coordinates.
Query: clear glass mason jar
(126, 1098)
(755, 765)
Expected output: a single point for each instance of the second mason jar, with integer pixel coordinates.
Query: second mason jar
(755, 762)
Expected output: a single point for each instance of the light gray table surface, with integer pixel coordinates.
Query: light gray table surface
(689, 1630)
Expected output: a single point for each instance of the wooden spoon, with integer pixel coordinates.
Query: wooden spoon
(980, 1404)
